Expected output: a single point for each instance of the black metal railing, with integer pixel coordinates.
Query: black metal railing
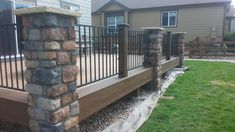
(169, 45)
(135, 56)
(97, 49)
(11, 62)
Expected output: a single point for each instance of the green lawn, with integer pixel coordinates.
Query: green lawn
(204, 101)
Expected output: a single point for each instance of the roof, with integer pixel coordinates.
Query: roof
(138, 4)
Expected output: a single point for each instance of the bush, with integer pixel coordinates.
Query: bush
(229, 37)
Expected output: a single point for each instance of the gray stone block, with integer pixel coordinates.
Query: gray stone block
(48, 76)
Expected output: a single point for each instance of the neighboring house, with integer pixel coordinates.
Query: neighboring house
(83, 6)
(230, 20)
(203, 18)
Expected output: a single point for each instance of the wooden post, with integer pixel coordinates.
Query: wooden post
(123, 49)
(168, 47)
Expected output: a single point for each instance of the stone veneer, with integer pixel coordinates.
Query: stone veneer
(153, 52)
(49, 49)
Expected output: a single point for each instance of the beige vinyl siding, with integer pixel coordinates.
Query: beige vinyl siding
(198, 21)
(96, 19)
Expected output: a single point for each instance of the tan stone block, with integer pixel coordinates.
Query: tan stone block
(57, 90)
(47, 55)
(60, 115)
(69, 45)
(66, 99)
(52, 45)
(62, 58)
(70, 123)
(69, 73)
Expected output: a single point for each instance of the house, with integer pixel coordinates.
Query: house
(203, 18)
(83, 6)
(7, 17)
(230, 20)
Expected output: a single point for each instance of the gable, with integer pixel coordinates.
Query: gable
(113, 7)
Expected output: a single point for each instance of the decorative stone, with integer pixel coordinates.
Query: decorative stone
(75, 96)
(25, 21)
(72, 86)
(57, 90)
(47, 55)
(34, 89)
(29, 75)
(34, 34)
(35, 125)
(69, 45)
(70, 123)
(47, 64)
(44, 20)
(37, 113)
(52, 45)
(27, 54)
(62, 58)
(59, 115)
(48, 76)
(69, 73)
(46, 127)
(74, 108)
(31, 64)
(32, 45)
(54, 34)
(74, 58)
(66, 99)
(72, 33)
(48, 104)
(75, 129)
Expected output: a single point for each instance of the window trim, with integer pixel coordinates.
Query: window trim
(69, 4)
(114, 25)
(168, 25)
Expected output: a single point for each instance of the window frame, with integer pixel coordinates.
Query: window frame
(168, 14)
(115, 21)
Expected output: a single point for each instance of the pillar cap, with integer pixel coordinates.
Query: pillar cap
(45, 9)
(153, 28)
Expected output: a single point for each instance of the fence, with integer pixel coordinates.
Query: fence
(202, 49)
(98, 53)
(169, 45)
(11, 62)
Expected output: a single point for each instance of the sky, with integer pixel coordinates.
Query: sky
(233, 2)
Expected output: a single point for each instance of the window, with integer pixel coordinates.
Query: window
(69, 6)
(113, 21)
(168, 18)
(22, 5)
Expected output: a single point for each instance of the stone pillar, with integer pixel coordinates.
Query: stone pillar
(153, 52)
(49, 49)
(181, 40)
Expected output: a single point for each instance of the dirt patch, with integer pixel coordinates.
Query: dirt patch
(223, 83)
(168, 97)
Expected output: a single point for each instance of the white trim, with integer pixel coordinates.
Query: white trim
(168, 13)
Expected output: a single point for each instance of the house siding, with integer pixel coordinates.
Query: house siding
(195, 20)
(85, 7)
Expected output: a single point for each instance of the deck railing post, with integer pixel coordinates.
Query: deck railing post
(181, 47)
(49, 49)
(168, 47)
(123, 49)
(153, 53)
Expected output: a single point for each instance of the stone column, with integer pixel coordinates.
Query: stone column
(181, 40)
(49, 49)
(153, 53)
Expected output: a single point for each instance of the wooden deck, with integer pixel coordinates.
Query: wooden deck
(92, 97)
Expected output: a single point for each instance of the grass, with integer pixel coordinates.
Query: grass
(204, 101)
